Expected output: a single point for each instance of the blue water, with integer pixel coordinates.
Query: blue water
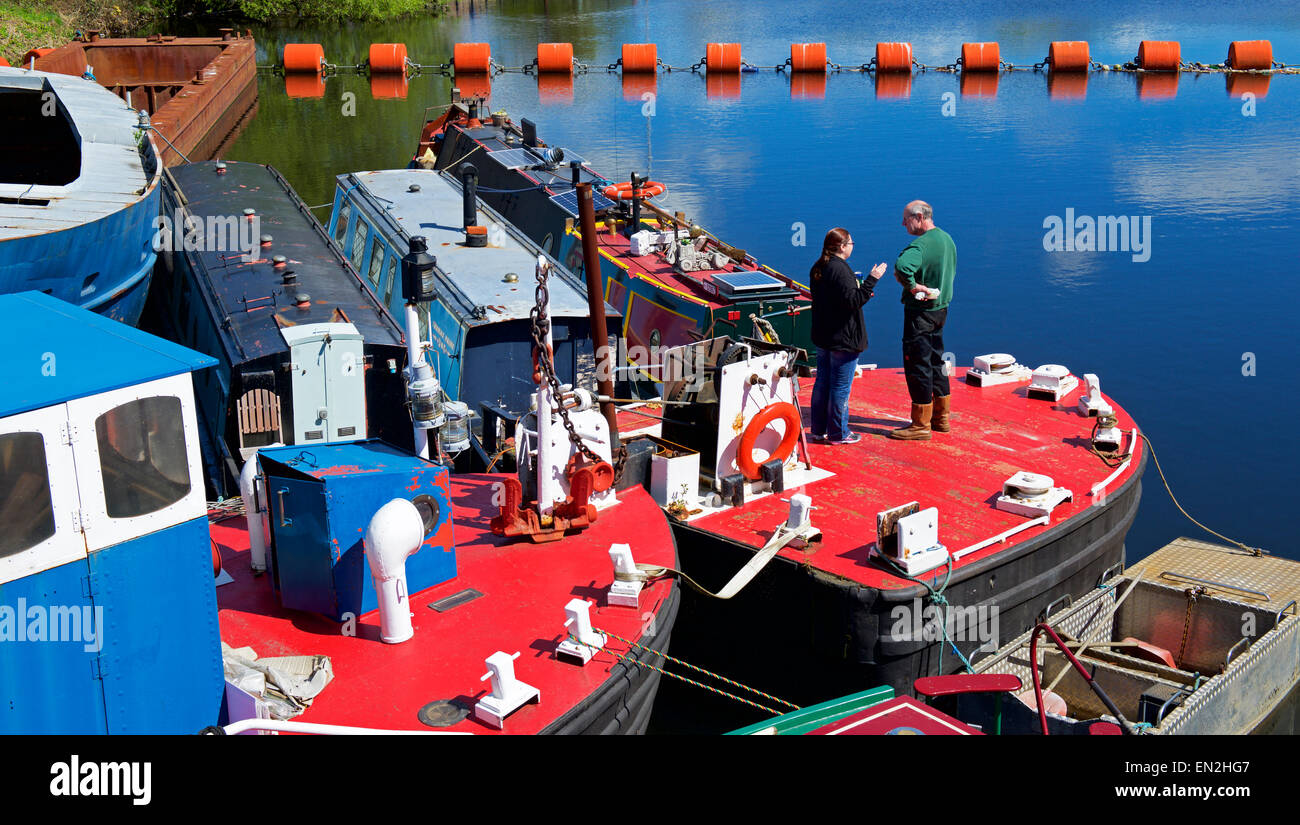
(1172, 337)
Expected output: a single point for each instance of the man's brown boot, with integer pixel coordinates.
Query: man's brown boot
(920, 427)
(939, 423)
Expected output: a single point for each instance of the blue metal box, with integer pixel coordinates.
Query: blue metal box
(322, 498)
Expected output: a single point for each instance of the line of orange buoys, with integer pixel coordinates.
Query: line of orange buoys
(1158, 64)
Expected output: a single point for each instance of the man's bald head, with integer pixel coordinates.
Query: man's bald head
(918, 217)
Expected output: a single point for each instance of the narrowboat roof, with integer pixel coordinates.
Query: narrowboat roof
(111, 177)
(57, 352)
(473, 277)
(249, 298)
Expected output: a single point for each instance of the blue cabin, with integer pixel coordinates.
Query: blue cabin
(478, 324)
(108, 620)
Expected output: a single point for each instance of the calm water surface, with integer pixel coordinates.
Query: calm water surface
(1172, 337)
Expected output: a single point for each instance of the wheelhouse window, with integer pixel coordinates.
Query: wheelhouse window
(376, 263)
(341, 228)
(26, 509)
(359, 243)
(142, 456)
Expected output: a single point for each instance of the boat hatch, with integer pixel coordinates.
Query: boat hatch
(38, 146)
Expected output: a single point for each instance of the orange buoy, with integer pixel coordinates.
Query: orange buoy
(894, 57)
(387, 58)
(1161, 55)
(303, 57)
(808, 57)
(810, 85)
(304, 84)
(1250, 54)
(893, 84)
(37, 54)
(553, 87)
(979, 84)
(1068, 55)
(555, 57)
(789, 414)
(3, 62)
(722, 57)
(1241, 84)
(640, 57)
(725, 85)
(1157, 85)
(475, 58)
(980, 57)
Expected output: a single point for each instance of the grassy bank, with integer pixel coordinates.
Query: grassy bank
(29, 24)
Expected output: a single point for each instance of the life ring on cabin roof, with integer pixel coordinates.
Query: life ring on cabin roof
(624, 191)
(783, 410)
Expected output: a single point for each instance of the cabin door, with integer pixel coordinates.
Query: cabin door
(329, 394)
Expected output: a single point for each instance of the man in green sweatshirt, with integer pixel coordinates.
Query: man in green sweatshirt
(926, 269)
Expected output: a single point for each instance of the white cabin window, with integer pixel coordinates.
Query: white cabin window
(142, 456)
(26, 510)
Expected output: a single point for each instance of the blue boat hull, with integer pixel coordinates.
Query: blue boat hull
(103, 265)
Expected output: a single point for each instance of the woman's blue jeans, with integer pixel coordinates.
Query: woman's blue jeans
(830, 395)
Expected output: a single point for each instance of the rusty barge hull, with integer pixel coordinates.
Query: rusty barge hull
(198, 91)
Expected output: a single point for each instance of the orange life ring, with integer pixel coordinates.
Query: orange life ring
(788, 413)
(624, 192)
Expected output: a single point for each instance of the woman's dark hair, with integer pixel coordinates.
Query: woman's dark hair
(834, 241)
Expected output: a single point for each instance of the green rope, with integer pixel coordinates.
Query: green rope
(936, 597)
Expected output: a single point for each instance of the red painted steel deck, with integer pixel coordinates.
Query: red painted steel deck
(996, 432)
(525, 588)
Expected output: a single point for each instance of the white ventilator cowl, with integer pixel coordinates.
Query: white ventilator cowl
(395, 532)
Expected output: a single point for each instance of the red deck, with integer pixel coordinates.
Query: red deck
(525, 587)
(996, 432)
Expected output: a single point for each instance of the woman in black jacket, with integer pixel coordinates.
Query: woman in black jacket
(839, 334)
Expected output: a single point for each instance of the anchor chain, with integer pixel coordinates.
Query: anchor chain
(544, 359)
(1192, 593)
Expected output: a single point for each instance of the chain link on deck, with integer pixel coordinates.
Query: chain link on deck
(545, 363)
(627, 658)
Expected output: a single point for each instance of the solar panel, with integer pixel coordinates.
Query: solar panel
(568, 201)
(746, 282)
(515, 158)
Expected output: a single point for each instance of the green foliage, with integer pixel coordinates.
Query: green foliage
(265, 10)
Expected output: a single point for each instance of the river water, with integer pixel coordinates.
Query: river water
(1188, 331)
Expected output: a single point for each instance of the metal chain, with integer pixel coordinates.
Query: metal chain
(542, 323)
(1192, 594)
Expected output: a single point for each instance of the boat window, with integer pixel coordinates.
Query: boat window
(392, 279)
(376, 263)
(341, 228)
(359, 242)
(26, 510)
(142, 456)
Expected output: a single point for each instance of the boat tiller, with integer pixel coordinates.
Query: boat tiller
(997, 368)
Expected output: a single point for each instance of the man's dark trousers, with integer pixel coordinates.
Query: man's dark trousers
(923, 353)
